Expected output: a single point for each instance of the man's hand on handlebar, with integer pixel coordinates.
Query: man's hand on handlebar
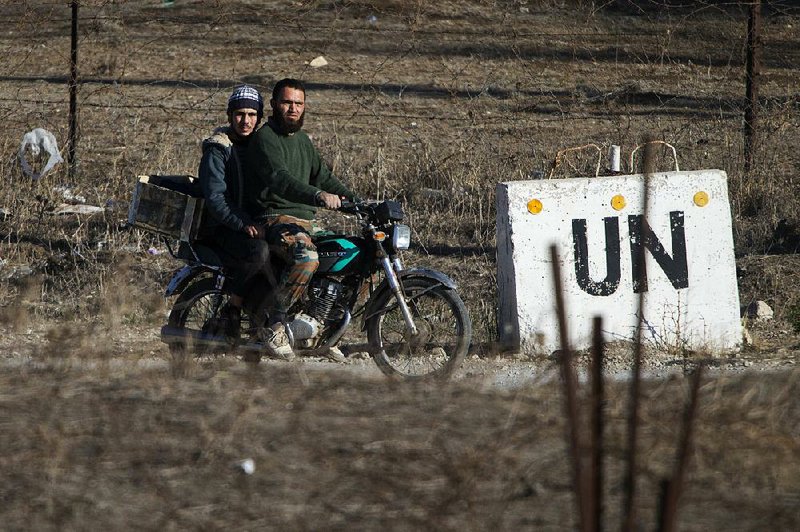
(329, 201)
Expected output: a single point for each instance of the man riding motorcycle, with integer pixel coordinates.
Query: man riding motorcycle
(286, 179)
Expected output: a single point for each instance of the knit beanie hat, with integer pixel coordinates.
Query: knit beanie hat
(246, 97)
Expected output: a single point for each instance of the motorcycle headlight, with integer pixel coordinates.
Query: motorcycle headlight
(401, 237)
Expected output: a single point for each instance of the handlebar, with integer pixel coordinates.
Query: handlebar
(348, 206)
(355, 207)
(379, 212)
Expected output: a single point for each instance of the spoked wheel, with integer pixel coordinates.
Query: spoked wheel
(443, 334)
(195, 315)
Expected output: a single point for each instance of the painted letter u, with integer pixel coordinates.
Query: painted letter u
(610, 284)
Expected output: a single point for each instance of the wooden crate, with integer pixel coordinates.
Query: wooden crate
(167, 205)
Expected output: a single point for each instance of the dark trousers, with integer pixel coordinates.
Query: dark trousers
(246, 257)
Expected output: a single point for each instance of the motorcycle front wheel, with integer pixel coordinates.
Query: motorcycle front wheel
(444, 331)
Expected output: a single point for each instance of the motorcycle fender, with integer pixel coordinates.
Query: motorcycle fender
(181, 279)
(404, 275)
(426, 272)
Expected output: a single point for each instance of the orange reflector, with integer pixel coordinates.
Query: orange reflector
(535, 206)
(701, 199)
(380, 236)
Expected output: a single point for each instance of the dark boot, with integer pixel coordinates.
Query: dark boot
(230, 320)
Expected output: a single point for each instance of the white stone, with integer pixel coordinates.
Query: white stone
(317, 62)
(759, 311)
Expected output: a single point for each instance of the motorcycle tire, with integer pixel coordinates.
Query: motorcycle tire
(195, 309)
(444, 331)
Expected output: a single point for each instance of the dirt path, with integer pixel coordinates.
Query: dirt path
(140, 347)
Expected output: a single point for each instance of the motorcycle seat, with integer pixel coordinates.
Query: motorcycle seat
(206, 254)
(216, 258)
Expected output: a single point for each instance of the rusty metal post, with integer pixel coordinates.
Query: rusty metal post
(630, 487)
(580, 482)
(598, 401)
(673, 488)
(753, 73)
(73, 94)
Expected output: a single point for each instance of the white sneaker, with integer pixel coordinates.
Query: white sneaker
(334, 354)
(277, 343)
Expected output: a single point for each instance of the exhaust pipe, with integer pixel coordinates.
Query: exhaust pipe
(202, 340)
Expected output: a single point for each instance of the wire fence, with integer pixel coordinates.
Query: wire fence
(153, 70)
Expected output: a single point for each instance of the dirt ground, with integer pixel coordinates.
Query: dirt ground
(431, 103)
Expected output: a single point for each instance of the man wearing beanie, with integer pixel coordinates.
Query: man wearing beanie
(228, 227)
(288, 180)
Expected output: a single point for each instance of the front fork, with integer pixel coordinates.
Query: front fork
(390, 269)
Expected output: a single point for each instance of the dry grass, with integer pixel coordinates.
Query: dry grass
(107, 446)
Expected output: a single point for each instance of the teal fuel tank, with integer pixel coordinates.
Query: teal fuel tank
(341, 254)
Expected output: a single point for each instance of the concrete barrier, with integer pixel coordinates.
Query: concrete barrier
(691, 299)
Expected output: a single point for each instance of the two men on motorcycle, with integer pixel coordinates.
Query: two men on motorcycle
(262, 188)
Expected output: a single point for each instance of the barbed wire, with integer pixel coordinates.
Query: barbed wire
(130, 36)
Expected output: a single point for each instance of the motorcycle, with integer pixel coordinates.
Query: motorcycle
(417, 326)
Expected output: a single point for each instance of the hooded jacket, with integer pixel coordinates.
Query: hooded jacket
(222, 181)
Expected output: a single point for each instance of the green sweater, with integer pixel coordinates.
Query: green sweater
(284, 174)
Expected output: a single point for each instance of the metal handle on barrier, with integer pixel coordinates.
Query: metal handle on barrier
(667, 144)
(560, 158)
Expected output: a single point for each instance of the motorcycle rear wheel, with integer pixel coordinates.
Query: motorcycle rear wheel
(444, 332)
(194, 310)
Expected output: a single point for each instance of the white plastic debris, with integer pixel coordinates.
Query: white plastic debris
(246, 466)
(67, 192)
(37, 141)
(68, 208)
(18, 272)
(317, 62)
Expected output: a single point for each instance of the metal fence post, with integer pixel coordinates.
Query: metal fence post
(753, 69)
(73, 93)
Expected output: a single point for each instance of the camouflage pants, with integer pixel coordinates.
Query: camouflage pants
(290, 237)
